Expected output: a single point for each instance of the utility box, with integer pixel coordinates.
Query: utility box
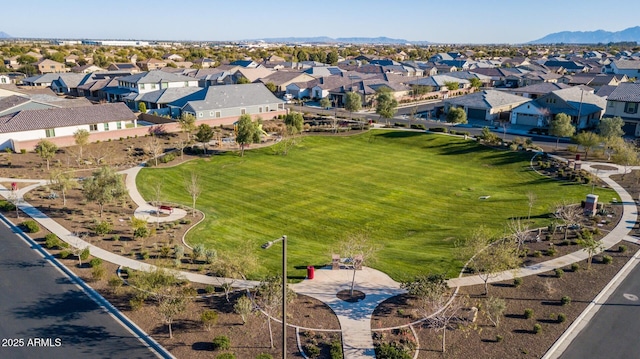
(310, 272)
(591, 205)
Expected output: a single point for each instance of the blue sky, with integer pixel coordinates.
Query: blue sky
(461, 21)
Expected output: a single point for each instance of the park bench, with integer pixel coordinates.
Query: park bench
(166, 208)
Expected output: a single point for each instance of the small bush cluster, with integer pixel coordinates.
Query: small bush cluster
(103, 227)
(221, 342)
(537, 328)
(439, 129)
(167, 158)
(6, 206)
(30, 226)
(517, 282)
(559, 272)
(528, 313)
(418, 126)
(565, 300)
(607, 259)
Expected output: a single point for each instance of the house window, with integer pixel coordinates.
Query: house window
(631, 107)
(610, 104)
(210, 113)
(50, 132)
(186, 84)
(199, 114)
(93, 127)
(119, 125)
(3, 80)
(260, 109)
(106, 126)
(243, 111)
(153, 86)
(267, 109)
(218, 114)
(141, 86)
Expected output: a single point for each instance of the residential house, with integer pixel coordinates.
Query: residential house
(204, 63)
(151, 64)
(88, 68)
(16, 103)
(631, 68)
(173, 57)
(536, 77)
(216, 102)
(440, 82)
(249, 64)
(12, 62)
(537, 90)
(46, 80)
(124, 66)
(59, 124)
(487, 105)
(623, 102)
(594, 80)
(47, 66)
(580, 103)
(71, 59)
(284, 78)
(139, 84)
(69, 83)
(4, 79)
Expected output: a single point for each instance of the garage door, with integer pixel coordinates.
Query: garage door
(526, 119)
(477, 114)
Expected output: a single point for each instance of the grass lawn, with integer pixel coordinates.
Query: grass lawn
(414, 194)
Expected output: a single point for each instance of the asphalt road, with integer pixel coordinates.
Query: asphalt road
(44, 315)
(613, 331)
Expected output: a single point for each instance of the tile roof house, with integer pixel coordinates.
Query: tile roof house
(53, 123)
(487, 105)
(46, 66)
(283, 78)
(537, 90)
(152, 81)
(623, 102)
(12, 104)
(124, 66)
(216, 102)
(151, 64)
(631, 68)
(584, 107)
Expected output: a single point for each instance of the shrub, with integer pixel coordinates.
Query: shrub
(336, 350)
(208, 289)
(537, 254)
(517, 282)
(418, 126)
(136, 303)
(114, 283)
(499, 338)
(622, 248)
(103, 227)
(559, 272)
(439, 129)
(264, 356)
(65, 254)
(116, 237)
(551, 252)
(607, 259)
(30, 226)
(221, 342)
(23, 150)
(537, 328)
(141, 232)
(390, 351)
(528, 313)
(209, 318)
(562, 318)
(97, 272)
(51, 241)
(575, 267)
(312, 351)
(566, 300)
(95, 262)
(6, 206)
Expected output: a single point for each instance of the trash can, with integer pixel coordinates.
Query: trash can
(14, 186)
(310, 272)
(577, 157)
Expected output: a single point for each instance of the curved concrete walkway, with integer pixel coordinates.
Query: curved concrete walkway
(355, 318)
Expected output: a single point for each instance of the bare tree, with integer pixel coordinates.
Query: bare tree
(359, 249)
(494, 309)
(181, 144)
(492, 259)
(531, 201)
(269, 298)
(568, 214)
(81, 138)
(15, 199)
(192, 185)
(519, 231)
(63, 182)
(157, 196)
(171, 301)
(154, 148)
(591, 246)
(234, 268)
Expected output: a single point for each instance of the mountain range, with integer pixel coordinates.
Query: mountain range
(591, 37)
(4, 35)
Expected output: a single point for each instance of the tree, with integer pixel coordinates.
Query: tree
(192, 185)
(46, 150)
(332, 57)
(197, 252)
(154, 148)
(531, 201)
(590, 245)
(519, 232)
(271, 87)
(234, 268)
(105, 186)
(294, 122)
(561, 126)
(204, 135)
(248, 132)
(490, 257)
(360, 250)
(568, 214)
(325, 102)
(494, 309)
(625, 155)
(456, 115)
(242, 80)
(142, 107)
(171, 301)
(352, 103)
(386, 105)
(187, 123)
(475, 83)
(269, 297)
(451, 85)
(611, 127)
(63, 182)
(243, 307)
(587, 140)
(81, 138)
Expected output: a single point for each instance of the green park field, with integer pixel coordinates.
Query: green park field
(413, 194)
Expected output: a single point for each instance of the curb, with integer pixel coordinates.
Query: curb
(147, 340)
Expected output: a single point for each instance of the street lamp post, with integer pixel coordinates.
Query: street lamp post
(284, 290)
